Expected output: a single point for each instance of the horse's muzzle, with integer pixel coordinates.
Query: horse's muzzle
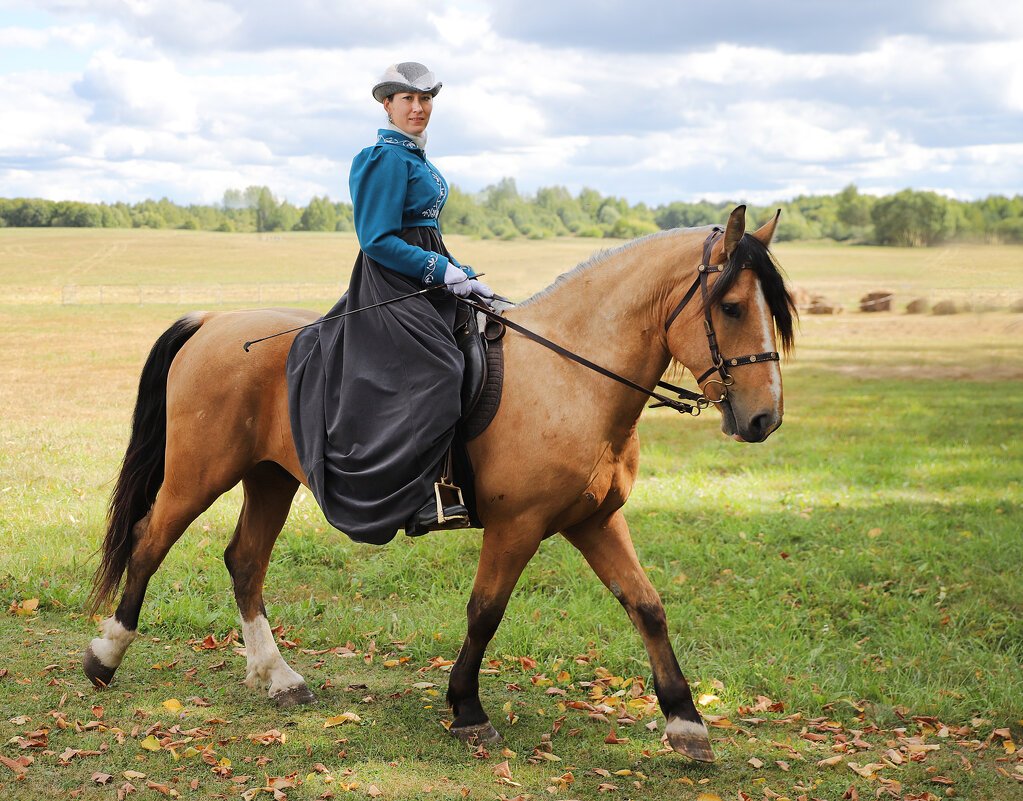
(756, 429)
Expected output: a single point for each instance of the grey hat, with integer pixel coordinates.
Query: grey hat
(409, 76)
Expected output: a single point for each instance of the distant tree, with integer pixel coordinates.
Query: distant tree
(853, 208)
(319, 215)
(911, 218)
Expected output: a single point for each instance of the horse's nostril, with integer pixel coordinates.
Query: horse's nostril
(761, 426)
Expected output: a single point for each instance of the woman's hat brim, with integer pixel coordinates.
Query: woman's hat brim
(388, 88)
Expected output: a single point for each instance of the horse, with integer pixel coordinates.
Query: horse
(542, 467)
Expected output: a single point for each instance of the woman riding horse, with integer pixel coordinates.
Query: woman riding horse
(375, 396)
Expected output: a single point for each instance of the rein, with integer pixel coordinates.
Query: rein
(699, 401)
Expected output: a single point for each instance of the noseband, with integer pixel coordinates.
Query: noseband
(719, 364)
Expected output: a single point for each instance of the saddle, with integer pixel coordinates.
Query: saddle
(479, 339)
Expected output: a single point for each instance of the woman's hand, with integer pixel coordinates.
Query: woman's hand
(463, 286)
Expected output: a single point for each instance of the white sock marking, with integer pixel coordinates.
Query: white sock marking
(263, 659)
(109, 649)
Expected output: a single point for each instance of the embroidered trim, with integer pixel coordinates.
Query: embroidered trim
(434, 211)
(431, 267)
(393, 140)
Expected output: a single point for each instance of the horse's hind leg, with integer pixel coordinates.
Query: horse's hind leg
(607, 546)
(154, 535)
(268, 494)
(502, 558)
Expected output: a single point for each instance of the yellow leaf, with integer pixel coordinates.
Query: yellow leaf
(706, 699)
(344, 717)
(133, 774)
(708, 797)
(151, 744)
(172, 705)
(390, 663)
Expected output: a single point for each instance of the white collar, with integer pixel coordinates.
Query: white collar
(420, 140)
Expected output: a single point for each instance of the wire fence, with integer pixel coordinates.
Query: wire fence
(266, 294)
(834, 297)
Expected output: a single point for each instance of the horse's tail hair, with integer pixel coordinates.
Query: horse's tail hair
(142, 469)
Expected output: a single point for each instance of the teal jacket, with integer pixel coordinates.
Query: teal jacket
(394, 186)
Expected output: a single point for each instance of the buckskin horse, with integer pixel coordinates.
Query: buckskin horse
(541, 466)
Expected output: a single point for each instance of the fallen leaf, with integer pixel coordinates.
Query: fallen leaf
(172, 705)
(19, 765)
(151, 743)
(373, 791)
(101, 778)
(613, 738)
(756, 763)
(503, 770)
(344, 717)
(708, 797)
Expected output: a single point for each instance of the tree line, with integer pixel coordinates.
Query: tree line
(906, 218)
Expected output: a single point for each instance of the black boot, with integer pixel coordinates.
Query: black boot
(427, 519)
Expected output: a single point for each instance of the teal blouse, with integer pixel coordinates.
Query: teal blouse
(394, 186)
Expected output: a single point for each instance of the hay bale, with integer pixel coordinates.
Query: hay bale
(876, 301)
(945, 307)
(801, 297)
(917, 306)
(821, 305)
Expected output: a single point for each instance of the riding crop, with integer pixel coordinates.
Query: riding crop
(345, 314)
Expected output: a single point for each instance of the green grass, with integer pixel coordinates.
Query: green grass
(861, 568)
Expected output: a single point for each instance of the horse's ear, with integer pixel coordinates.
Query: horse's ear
(734, 230)
(765, 233)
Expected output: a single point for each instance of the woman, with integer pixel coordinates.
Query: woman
(374, 397)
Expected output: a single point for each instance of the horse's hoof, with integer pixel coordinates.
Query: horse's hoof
(690, 739)
(296, 696)
(476, 735)
(99, 674)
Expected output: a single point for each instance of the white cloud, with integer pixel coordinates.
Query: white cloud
(191, 97)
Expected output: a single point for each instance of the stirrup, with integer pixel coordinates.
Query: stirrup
(446, 511)
(452, 514)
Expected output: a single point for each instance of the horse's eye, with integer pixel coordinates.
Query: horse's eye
(731, 310)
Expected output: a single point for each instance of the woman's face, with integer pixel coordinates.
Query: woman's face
(410, 111)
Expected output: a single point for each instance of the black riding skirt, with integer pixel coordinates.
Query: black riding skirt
(374, 398)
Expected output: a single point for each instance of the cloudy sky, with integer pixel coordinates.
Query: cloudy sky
(106, 100)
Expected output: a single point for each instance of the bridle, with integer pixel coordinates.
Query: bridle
(719, 364)
(688, 402)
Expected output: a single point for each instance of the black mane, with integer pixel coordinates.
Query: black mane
(752, 253)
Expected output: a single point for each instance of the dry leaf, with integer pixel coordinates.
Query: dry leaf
(344, 717)
(172, 705)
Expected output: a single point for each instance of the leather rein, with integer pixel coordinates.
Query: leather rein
(688, 402)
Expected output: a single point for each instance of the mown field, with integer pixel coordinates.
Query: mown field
(845, 597)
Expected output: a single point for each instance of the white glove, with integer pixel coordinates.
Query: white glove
(457, 281)
(478, 287)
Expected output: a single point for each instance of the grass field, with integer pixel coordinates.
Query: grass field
(847, 594)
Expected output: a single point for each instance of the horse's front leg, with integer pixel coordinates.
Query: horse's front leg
(504, 554)
(607, 546)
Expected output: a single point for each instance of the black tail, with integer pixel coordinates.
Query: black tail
(142, 470)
